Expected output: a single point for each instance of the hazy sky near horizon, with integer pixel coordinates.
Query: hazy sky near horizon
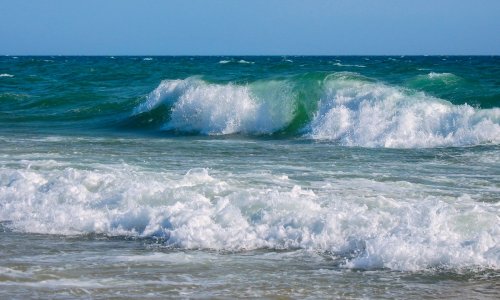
(257, 27)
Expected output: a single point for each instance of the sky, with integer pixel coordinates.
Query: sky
(256, 27)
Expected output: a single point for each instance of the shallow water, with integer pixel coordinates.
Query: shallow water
(60, 267)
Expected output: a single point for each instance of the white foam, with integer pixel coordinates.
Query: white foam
(242, 61)
(338, 64)
(13, 274)
(167, 92)
(440, 75)
(375, 225)
(446, 78)
(360, 113)
(214, 109)
(6, 75)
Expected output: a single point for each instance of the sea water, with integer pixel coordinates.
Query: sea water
(302, 177)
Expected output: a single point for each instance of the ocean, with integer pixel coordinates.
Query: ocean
(263, 177)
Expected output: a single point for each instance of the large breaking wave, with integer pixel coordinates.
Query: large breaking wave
(345, 108)
(216, 109)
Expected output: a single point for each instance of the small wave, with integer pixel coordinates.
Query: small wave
(6, 75)
(436, 83)
(241, 61)
(147, 58)
(338, 64)
(443, 76)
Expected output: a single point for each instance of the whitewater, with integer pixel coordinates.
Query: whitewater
(348, 177)
(350, 110)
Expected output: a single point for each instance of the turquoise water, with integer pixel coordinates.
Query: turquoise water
(348, 177)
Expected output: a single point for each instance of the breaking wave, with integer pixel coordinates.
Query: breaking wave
(362, 113)
(217, 109)
(344, 108)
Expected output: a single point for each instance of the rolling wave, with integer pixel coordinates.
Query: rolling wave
(358, 113)
(345, 108)
(218, 109)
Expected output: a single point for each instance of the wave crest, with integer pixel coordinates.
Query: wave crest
(344, 107)
(358, 113)
(217, 109)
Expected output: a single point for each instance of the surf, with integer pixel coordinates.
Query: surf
(345, 108)
(203, 209)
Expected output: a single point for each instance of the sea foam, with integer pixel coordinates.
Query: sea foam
(372, 226)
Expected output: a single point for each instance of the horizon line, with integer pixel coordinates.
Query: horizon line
(238, 55)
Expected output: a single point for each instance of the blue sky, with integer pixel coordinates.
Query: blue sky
(257, 27)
